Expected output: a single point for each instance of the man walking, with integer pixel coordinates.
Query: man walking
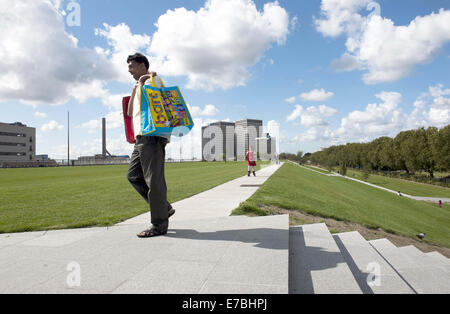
(146, 171)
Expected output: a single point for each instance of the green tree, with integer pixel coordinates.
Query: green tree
(403, 150)
(299, 156)
(343, 169)
(439, 141)
(387, 154)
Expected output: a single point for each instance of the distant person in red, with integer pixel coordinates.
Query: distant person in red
(251, 158)
(440, 204)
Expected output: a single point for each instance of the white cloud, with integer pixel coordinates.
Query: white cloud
(123, 43)
(376, 45)
(35, 76)
(432, 108)
(96, 89)
(40, 114)
(385, 118)
(290, 100)
(314, 134)
(209, 121)
(92, 126)
(52, 126)
(317, 95)
(313, 116)
(377, 120)
(438, 91)
(295, 114)
(327, 111)
(114, 120)
(209, 110)
(215, 46)
(340, 16)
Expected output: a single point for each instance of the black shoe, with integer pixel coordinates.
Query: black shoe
(149, 233)
(171, 212)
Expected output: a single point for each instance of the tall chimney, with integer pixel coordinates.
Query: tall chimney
(104, 137)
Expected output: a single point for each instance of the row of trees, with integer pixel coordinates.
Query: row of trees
(293, 157)
(411, 151)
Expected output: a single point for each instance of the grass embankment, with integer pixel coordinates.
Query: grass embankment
(73, 197)
(395, 184)
(316, 169)
(408, 187)
(298, 189)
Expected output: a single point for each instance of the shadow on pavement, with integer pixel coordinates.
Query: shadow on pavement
(267, 238)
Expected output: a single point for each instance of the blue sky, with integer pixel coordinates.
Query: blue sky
(324, 72)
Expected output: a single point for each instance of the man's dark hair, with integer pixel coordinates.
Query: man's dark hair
(139, 58)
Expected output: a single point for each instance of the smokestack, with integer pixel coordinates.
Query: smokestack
(104, 137)
(104, 150)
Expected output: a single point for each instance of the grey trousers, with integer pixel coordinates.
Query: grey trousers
(146, 175)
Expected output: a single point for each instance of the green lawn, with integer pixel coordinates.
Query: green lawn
(317, 169)
(293, 187)
(405, 186)
(72, 197)
(408, 187)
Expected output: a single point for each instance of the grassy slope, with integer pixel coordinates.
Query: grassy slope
(293, 187)
(408, 187)
(53, 198)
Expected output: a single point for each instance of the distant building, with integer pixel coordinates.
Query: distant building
(42, 157)
(224, 148)
(236, 140)
(266, 146)
(17, 143)
(99, 159)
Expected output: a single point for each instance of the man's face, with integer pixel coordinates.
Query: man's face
(136, 69)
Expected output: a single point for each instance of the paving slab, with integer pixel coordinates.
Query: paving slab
(218, 255)
(373, 274)
(316, 264)
(422, 277)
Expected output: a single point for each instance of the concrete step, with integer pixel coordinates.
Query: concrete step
(316, 264)
(372, 273)
(439, 257)
(232, 255)
(424, 259)
(423, 278)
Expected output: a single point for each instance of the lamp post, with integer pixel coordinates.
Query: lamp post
(68, 140)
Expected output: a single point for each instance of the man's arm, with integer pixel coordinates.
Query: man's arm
(144, 78)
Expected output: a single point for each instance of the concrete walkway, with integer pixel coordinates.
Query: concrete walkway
(217, 202)
(205, 251)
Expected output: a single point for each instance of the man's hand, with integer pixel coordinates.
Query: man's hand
(145, 77)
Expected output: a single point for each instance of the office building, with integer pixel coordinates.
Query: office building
(221, 148)
(17, 143)
(247, 130)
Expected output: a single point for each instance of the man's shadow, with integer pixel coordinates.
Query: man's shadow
(305, 259)
(267, 238)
